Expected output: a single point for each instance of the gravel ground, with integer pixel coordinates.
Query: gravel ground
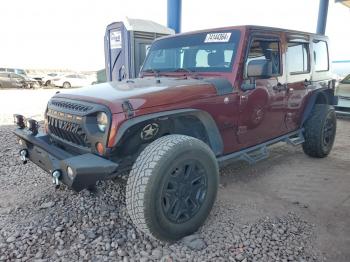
(40, 223)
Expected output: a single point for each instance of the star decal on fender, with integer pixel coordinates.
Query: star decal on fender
(149, 131)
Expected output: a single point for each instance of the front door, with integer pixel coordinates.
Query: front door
(298, 78)
(262, 109)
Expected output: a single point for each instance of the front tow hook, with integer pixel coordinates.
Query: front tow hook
(55, 178)
(24, 156)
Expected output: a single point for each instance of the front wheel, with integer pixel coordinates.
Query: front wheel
(66, 85)
(172, 187)
(320, 131)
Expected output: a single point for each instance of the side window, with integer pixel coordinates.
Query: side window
(320, 55)
(298, 58)
(266, 50)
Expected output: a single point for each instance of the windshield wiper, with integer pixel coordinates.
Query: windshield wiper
(150, 70)
(182, 69)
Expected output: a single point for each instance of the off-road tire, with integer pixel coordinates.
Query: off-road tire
(66, 85)
(147, 181)
(318, 142)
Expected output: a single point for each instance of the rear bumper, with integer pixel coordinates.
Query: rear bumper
(87, 168)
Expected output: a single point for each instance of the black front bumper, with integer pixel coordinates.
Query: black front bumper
(88, 168)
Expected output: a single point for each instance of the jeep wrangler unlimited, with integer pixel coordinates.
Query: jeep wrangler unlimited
(202, 99)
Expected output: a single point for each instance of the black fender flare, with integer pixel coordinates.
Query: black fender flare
(328, 95)
(205, 118)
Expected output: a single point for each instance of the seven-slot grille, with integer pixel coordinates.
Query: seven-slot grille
(68, 131)
(71, 106)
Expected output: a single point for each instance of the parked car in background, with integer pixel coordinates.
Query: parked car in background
(343, 93)
(46, 80)
(12, 80)
(14, 70)
(73, 80)
(6, 81)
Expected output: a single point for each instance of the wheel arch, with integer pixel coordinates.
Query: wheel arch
(191, 122)
(320, 96)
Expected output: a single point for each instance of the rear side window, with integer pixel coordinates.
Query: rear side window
(298, 58)
(266, 50)
(320, 55)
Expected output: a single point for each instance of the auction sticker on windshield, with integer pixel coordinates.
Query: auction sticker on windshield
(217, 37)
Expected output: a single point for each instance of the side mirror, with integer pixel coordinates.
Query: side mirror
(259, 68)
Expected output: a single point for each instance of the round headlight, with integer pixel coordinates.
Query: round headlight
(102, 121)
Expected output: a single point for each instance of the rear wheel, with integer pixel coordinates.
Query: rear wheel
(172, 187)
(66, 85)
(320, 130)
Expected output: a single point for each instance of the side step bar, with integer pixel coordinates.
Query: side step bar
(259, 152)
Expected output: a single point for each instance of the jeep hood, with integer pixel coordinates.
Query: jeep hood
(143, 92)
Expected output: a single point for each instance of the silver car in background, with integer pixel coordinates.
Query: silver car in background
(12, 80)
(343, 93)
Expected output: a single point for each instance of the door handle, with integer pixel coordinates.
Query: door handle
(307, 83)
(280, 87)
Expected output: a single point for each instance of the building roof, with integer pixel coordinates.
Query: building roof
(344, 2)
(146, 26)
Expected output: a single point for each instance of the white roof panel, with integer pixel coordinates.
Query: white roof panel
(146, 26)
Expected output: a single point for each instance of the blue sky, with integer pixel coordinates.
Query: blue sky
(69, 34)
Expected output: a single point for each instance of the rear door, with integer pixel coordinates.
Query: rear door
(262, 109)
(5, 80)
(298, 69)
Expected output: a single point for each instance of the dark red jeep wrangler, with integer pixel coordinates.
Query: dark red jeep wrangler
(202, 100)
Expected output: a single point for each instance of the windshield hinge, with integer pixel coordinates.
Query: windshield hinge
(128, 109)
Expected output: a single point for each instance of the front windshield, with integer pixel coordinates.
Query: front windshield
(200, 52)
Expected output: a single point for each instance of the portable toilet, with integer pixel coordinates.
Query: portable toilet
(127, 44)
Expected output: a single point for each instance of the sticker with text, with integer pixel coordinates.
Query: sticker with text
(116, 39)
(217, 37)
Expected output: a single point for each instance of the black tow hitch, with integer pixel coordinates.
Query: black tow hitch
(24, 156)
(55, 178)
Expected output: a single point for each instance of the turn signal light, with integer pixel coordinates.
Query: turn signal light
(100, 149)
